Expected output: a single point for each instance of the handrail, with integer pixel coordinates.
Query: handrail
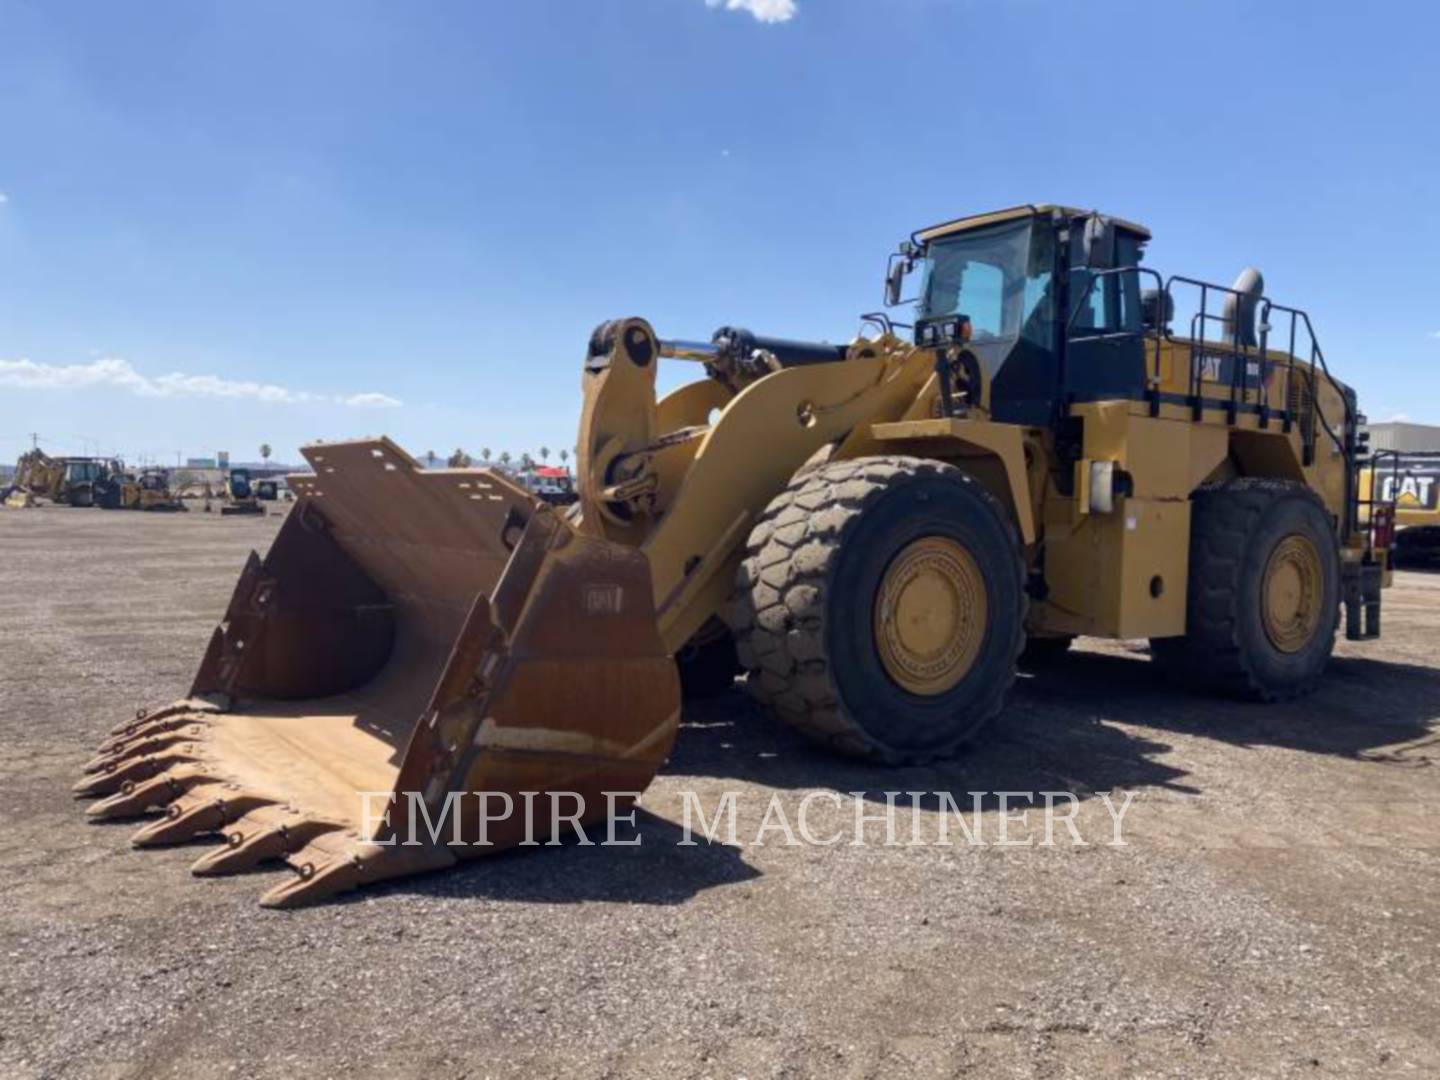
(1392, 502)
(1315, 354)
(1239, 373)
(1344, 443)
(1241, 354)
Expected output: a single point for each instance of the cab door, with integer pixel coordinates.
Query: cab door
(1104, 344)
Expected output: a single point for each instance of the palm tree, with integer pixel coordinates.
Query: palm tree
(485, 454)
(564, 455)
(458, 460)
(429, 459)
(544, 453)
(265, 453)
(505, 459)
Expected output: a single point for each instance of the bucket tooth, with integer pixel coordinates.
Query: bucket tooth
(206, 809)
(118, 745)
(144, 717)
(321, 873)
(130, 771)
(107, 762)
(133, 800)
(312, 883)
(246, 850)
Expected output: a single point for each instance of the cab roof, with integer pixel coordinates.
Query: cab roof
(994, 217)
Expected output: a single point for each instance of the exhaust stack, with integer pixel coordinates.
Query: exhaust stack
(1238, 317)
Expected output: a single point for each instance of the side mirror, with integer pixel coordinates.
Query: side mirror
(900, 265)
(1099, 242)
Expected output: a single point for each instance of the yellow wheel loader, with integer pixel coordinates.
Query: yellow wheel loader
(433, 665)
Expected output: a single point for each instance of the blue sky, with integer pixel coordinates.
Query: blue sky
(228, 223)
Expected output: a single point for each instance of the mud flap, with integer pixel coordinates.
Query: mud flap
(427, 667)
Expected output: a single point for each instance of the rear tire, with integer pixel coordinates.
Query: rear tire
(880, 607)
(1263, 597)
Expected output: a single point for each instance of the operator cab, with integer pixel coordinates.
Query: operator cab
(240, 483)
(1039, 295)
(82, 471)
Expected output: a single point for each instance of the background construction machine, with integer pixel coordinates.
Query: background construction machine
(68, 481)
(1407, 485)
(239, 494)
(37, 474)
(874, 530)
(147, 489)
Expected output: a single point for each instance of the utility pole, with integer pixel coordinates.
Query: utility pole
(34, 440)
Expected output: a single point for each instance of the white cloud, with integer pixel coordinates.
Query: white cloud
(767, 11)
(371, 401)
(111, 371)
(4, 198)
(1435, 333)
(1395, 418)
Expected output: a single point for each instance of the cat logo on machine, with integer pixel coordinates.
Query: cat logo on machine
(1410, 491)
(1222, 368)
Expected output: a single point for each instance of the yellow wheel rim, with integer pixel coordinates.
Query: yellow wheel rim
(930, 616)
(1290, 593)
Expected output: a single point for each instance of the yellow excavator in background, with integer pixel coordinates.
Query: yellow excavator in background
(433, 665)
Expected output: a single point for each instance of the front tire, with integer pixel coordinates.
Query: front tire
(1264, 591)
(880, 607)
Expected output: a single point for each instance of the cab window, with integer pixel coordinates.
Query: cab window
(1112, 304)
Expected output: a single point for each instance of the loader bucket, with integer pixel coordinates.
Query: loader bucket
(427, 666)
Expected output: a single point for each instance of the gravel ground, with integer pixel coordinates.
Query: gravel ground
(1272, 911)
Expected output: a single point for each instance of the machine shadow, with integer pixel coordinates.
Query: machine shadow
(1361, 706)
(659, 870)
(1060, 733)
(1038, 744)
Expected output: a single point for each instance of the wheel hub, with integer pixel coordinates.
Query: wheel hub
(1290, 594)
(930, 615)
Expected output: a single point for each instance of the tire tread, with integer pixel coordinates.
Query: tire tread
(777, 611)
(1224, 518)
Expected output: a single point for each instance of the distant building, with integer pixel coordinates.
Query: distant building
(1404, 436)
(200, 463)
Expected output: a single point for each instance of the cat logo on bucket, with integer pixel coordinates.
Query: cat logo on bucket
(603, 599)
